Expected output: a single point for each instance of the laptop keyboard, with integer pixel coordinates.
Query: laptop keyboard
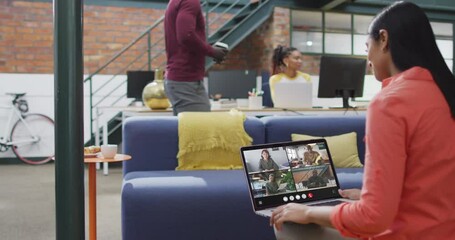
(331, 203)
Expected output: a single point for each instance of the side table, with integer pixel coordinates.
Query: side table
(91, 161)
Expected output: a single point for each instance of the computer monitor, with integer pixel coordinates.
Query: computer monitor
(136, 81)
(231, 84)
(341, 77)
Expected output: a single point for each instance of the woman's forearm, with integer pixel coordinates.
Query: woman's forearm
(320, 215)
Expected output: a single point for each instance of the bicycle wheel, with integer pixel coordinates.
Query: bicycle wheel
(38, 127)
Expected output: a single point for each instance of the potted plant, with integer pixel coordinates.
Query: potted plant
(289, 180)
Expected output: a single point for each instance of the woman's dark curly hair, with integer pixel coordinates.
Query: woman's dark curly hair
(280, 53)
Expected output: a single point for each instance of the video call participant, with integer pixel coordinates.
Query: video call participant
(311, 157)
(404, 195)
(286, 65)
(266, 163)
(186, 49)
(271, 187)
(315, 180)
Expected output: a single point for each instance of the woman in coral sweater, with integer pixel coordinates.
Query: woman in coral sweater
(410, 136)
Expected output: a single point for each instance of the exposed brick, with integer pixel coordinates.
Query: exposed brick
(5, 15)
(10, 22)
(43, 31)
(25, 69)
(8, 69)
(22, 30)
(42, 44)
(45, 57)
(25, 56)
(23, 43)
(27, 30)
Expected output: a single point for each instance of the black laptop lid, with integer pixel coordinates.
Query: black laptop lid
(299, 171)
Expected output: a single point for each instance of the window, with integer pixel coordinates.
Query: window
(338, 32)
(444, 39)
(308, 42)
(307, 31)
(318, 32)
(292, 153)
(361, 24)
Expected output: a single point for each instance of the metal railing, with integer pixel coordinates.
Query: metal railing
(107, 85)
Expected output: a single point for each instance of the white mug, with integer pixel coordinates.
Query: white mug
(255, 102)
(109, 150)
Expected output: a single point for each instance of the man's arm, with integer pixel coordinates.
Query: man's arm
(186, 28)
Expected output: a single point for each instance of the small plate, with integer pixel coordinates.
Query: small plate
(90, 155)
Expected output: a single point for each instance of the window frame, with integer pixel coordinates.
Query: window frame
(353, 34)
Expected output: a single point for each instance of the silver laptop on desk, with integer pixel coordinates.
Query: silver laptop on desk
(290, 94)
(299, 178)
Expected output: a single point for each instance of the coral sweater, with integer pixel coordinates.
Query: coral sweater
(410, 165)
(186, 45)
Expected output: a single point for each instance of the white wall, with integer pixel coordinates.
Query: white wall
(40, 97)
(370, 89)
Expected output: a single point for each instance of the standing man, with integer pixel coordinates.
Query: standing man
(186, 48)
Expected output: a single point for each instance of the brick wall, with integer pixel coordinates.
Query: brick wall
(255, 51)
(26, 35)
(26, 39)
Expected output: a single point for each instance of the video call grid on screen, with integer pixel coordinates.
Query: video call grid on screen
(303, 174)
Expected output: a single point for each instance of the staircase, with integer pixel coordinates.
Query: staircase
(242, 24)
(229, 21)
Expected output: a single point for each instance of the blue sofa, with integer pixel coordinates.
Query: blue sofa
(161, 203)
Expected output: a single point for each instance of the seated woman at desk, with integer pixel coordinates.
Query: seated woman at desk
(267, 163)
(286, 63)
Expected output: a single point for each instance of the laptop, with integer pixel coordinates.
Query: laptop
(300, 179)
(289, 94)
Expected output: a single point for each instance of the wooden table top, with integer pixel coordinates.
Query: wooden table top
(100, 158)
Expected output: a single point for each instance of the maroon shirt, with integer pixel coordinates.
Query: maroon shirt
(186, 45)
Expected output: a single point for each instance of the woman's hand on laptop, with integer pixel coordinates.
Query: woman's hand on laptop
(302, 214)
(353, 194)
(290, 212)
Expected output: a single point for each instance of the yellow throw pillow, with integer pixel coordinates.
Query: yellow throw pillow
(211, 140)
(343, 148)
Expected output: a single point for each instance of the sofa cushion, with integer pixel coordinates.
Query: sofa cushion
(350, 177)
(343, 148)
(190, 205)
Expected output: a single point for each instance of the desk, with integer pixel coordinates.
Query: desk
(130, 111)
(91, 161)
(144, 111)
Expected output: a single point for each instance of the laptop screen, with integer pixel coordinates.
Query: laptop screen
(279, 173)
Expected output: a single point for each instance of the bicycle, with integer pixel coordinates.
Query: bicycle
(32, 135)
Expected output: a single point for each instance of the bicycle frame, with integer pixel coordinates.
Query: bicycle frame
(4, 140)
